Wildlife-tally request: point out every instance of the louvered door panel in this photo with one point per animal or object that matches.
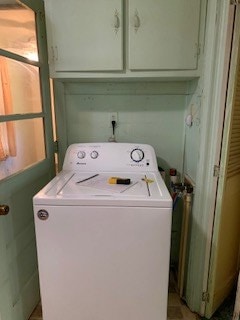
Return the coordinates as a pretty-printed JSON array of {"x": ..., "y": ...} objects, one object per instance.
[
  {"x": 234, "y": 142},
  {"x": 225, "y": 241}
]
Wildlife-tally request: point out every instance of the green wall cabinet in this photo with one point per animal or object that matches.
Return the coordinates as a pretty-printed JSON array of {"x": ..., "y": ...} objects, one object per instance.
[
  {"x": 123, "y": 38},
  {"x": 163, "y": 35},
  {"x": 84, "y": 35}
]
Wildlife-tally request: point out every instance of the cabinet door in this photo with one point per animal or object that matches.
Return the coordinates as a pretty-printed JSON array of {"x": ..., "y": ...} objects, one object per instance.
[
  {"x": 163, "y": 35},
  {"x": 85, "y": 35}
]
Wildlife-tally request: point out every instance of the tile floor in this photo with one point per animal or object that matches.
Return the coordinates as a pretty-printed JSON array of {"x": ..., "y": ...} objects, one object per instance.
[
  {"x": 177, "y": 309},
  {"x": 37, "y": 313}
]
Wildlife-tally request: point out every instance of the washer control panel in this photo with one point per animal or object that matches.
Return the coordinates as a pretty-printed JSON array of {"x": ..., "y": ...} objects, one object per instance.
[{"x": 110, "y": 157}]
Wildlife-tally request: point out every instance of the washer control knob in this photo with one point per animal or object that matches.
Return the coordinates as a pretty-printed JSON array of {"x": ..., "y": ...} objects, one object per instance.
[
  {"x": 81, "y": 154},
  {"x": 137, "y": 155},
  {"x": 94, "y": 154}
]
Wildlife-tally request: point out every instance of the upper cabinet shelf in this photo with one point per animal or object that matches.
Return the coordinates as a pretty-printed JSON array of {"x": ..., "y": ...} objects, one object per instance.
[{"x": 123, "y": 38}]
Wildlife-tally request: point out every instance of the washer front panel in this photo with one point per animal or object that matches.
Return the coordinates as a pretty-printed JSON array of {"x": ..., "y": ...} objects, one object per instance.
[{"x": 104, "y": 262}]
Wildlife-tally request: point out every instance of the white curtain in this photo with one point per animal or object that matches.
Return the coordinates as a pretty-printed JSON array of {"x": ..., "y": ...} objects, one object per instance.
[{"x": 7, "y": 132}]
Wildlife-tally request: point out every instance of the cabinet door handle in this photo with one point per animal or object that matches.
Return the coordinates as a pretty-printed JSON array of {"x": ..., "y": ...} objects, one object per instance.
[
  {"x": 116, "y": 21},
  {"x": 137, "y": 21},
  {"x": 53, "y": 53}
]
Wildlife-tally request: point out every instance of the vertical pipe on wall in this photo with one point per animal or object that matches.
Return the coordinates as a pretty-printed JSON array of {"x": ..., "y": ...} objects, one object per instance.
[{"x": 187, "y": 207}]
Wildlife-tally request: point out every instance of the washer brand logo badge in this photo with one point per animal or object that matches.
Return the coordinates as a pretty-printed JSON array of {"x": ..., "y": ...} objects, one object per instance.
[
  {"x": 82, "y": 163},
  {"x": 43, "y": 214}
]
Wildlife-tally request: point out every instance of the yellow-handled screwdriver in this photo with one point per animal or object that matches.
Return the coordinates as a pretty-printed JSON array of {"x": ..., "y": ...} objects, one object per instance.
[{"x": 117, "y": 180}]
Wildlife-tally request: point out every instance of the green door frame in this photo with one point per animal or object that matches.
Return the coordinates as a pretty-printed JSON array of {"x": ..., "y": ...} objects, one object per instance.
[{"x": 209, "y": 155}]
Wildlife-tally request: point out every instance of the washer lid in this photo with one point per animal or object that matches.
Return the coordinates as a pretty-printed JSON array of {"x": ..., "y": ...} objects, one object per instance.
[
  {"x": 86, "y": 188},
  {"x": 87, "y": 184}
]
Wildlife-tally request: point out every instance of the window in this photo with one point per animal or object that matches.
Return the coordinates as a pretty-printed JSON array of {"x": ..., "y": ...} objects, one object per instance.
[{"x": 21, "y": 116}]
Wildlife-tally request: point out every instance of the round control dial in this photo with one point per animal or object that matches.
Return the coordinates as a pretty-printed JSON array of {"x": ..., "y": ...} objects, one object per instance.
[
  {"x": 81, "y": 154},
  {"x": 137, "y": 155},
  {"x": 94, "y": 154}
]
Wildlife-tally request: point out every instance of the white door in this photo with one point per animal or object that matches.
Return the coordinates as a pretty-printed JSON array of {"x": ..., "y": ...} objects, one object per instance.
[
  {"x": 85, "y": 35},
  {"x": 163, "y": 35},
  {"x": 224, "y": 263},
  {"x": 26, "y": 150}
]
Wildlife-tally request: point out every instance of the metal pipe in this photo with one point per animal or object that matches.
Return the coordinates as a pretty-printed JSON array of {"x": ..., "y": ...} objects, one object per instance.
[{"x": 187, "y": 207}]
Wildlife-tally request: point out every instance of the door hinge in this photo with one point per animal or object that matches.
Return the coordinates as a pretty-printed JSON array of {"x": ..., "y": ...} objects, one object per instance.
[
  {"x": 205, "y": 296},
  {"x": 55, "y": 146},
  {"x": 41, "y": 15},
  {"x": 216, "y": 171},
  {"x": 54, "y": 53}
]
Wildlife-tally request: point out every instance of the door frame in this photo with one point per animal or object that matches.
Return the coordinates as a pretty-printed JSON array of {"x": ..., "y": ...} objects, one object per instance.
[
  {"x": 232, "y": 63},
  {"x": 213, "y": 82}
]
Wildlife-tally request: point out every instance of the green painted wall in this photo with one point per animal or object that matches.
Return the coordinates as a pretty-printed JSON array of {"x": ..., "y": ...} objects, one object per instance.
[
  {"x": 150, "y": 113},
  {"x": 192, "y": 133}
]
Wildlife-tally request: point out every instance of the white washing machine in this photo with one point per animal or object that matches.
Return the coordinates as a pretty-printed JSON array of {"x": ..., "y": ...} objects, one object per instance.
[{"x": 103, "y": 249}]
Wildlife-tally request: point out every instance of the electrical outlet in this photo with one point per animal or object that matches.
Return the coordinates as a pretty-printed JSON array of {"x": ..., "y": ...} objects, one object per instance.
[{"x": 113, "y": 116}]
